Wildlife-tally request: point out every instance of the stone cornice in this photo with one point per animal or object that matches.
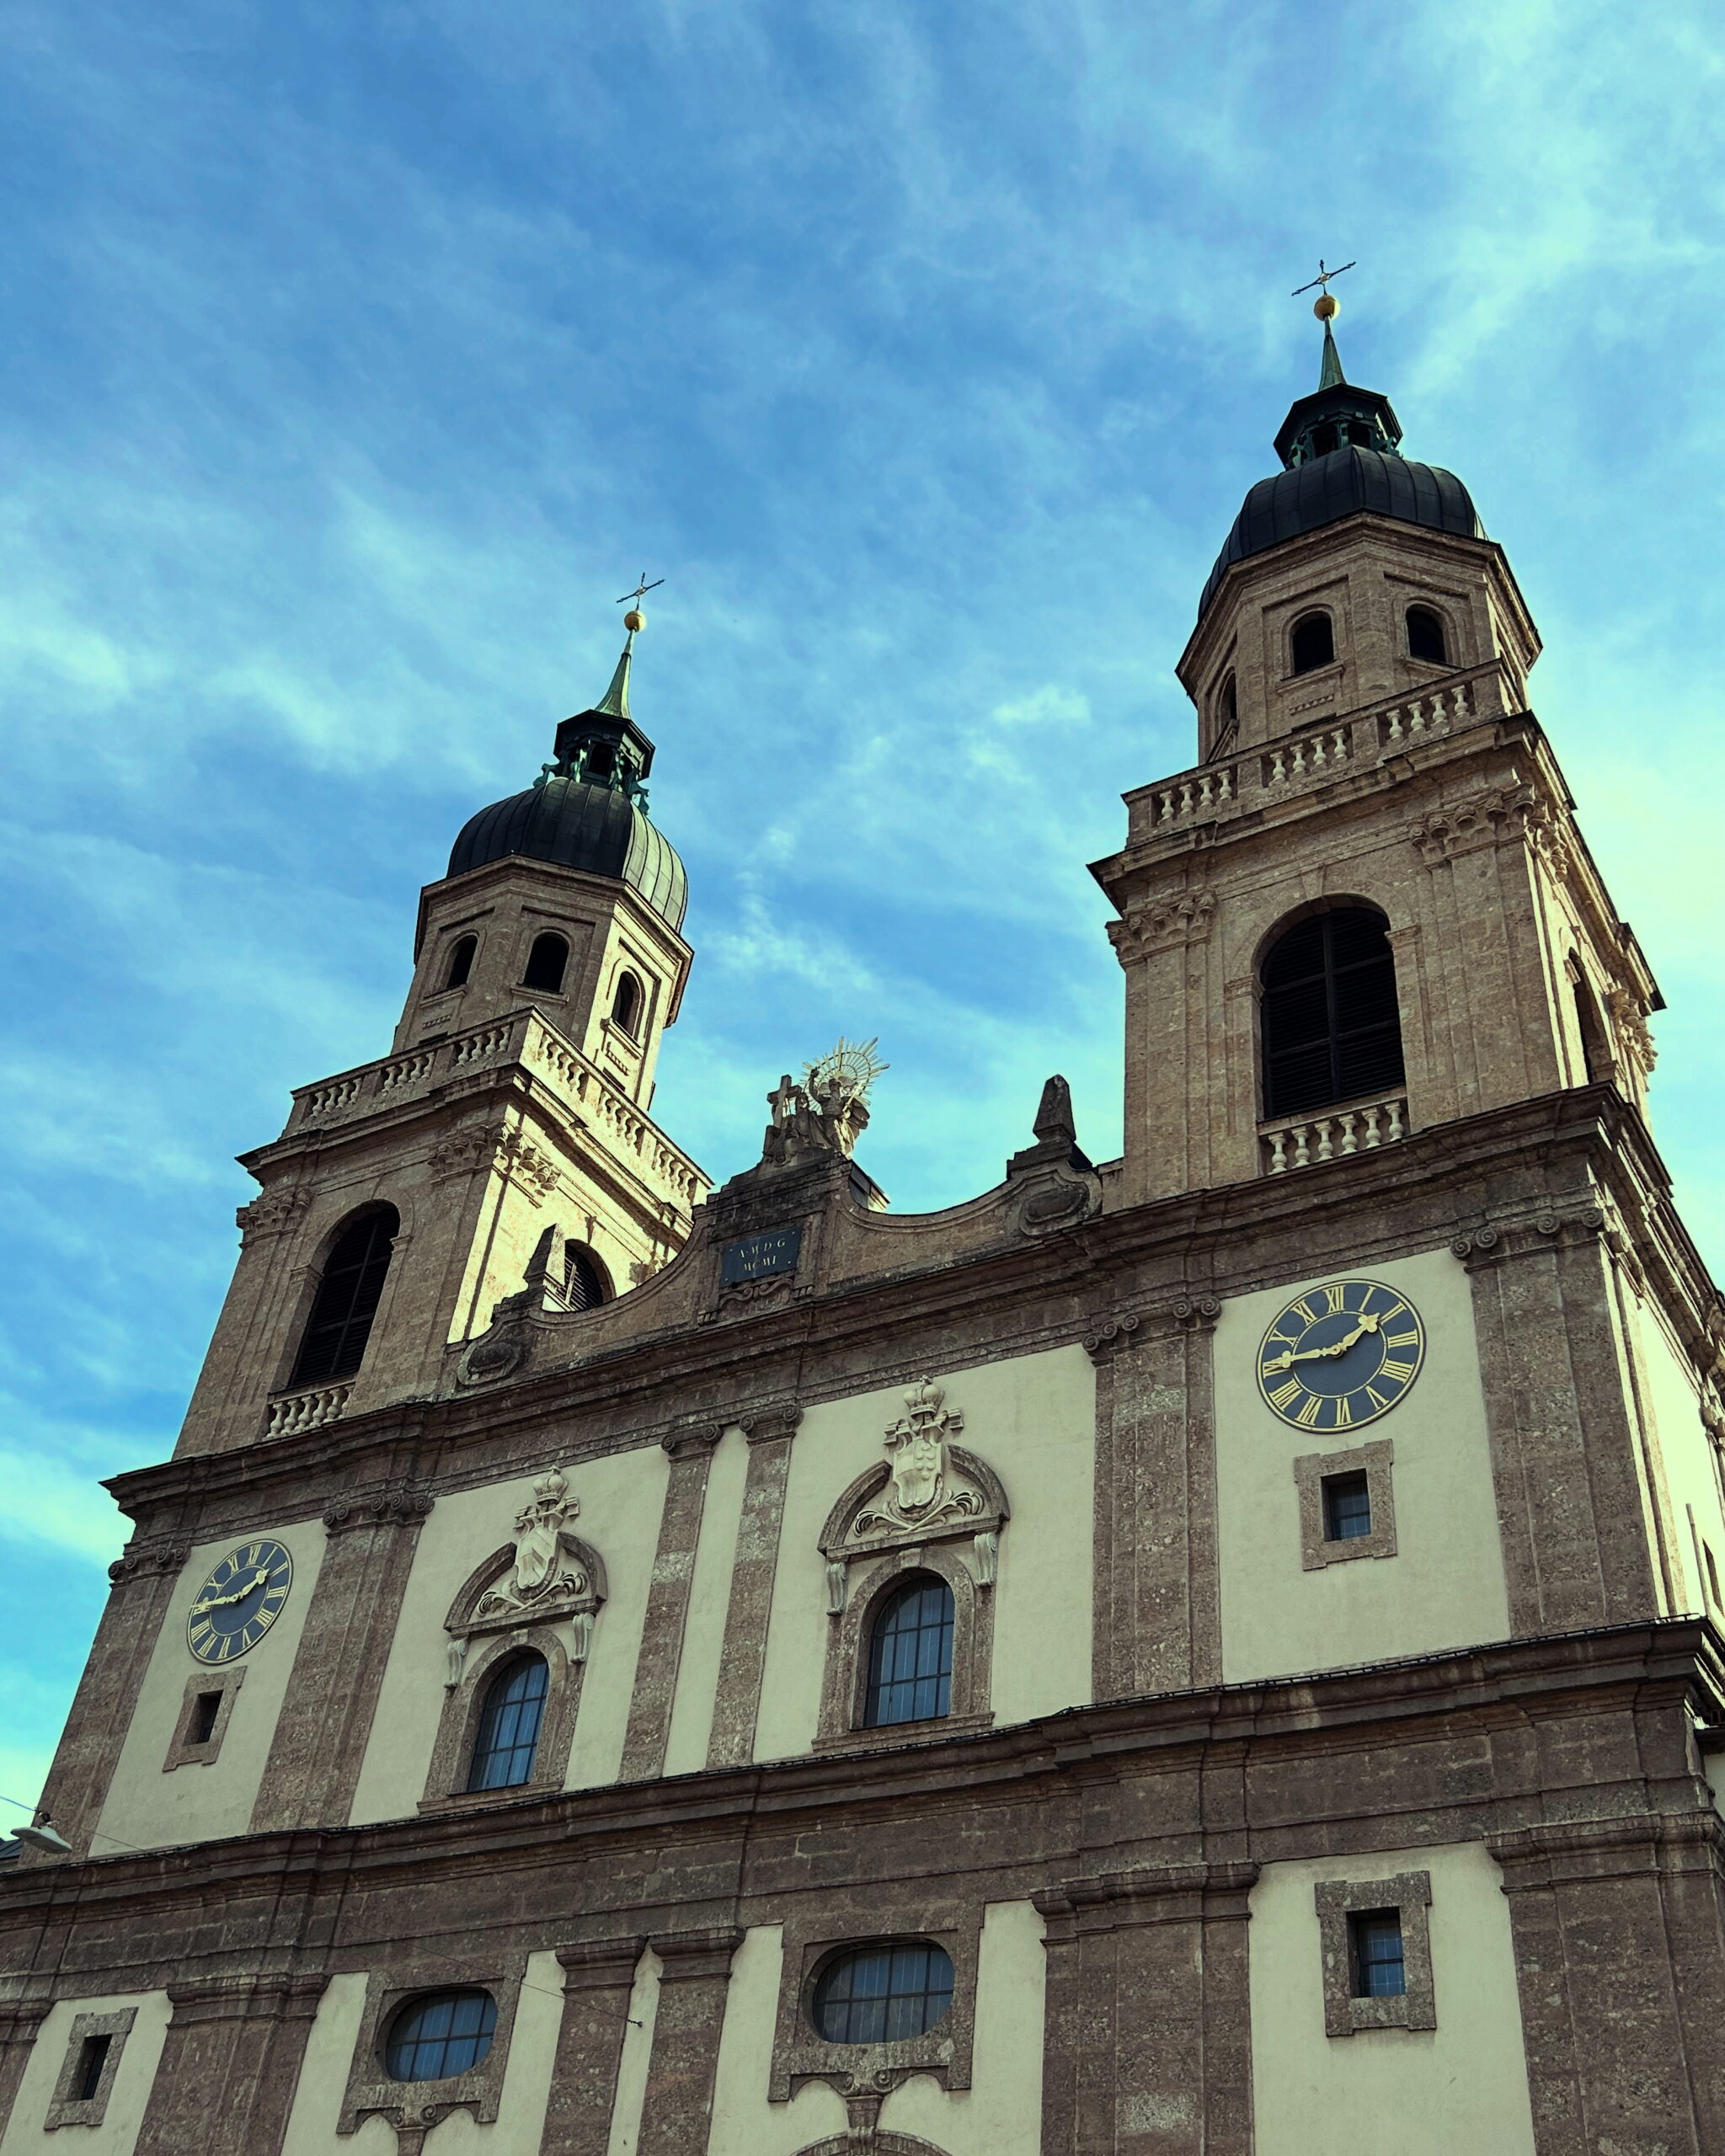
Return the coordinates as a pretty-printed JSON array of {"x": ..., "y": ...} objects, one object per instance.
[{"x": 1676, "y": 1660}]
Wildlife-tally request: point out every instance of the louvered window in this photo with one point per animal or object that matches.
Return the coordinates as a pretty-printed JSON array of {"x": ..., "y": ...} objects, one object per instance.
[
  {"x": 1331, "y": 1030},
  {"x": 585, "y": 1278},
  {"x": 341, "y": 1323}
]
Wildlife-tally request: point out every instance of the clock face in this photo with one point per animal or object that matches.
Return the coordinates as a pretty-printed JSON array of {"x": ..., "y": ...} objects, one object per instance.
[
  {"x": 239, "y": 1602},
  {"x": 1341, "y": 1355}
]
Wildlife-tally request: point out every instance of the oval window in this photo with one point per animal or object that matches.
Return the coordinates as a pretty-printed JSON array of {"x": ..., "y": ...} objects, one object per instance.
[
  {"x": 884, "y": 1993},
  {"x": 442, "y": 2034}
]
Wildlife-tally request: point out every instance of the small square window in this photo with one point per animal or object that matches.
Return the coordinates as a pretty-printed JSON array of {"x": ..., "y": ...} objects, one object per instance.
[
  {"x": 1346, "y": 1506},
  {"x": 1375, "y": 1944},
  {"x": 87, "y": 2084}
]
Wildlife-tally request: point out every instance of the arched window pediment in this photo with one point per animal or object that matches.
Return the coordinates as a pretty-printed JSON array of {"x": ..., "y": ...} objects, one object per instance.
[
  {"x": 926, "y": 1490},
  {"x": 544, "y": 1575}
]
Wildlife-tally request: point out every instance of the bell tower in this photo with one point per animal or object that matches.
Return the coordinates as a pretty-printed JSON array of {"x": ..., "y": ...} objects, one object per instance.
[
  {"x": 506, "y": 1137},
  {"x": 1358, "y": 671}
]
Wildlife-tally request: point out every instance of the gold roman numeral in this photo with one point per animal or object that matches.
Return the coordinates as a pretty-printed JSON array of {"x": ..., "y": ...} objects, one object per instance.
[
  {"x": 1344, "y": 1413},
  {"x": 1394, "y": 1369},
  {"x": 1308, "y": 1313},
  {"x": 1395, "y": 1309},
  {"x": 1288, "y": 1390},
  {"x": 202, "y": 1637},
  {"x": 1308, "y": 1415},
  {"x": 224, "y": 1648},
  {"x": 1401, "y": 1339},
  {"x": 1375, "y": 1397}
]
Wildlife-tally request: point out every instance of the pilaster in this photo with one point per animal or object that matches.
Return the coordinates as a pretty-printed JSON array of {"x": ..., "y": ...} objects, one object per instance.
[
  {"x": 743, "y": 1657},
  {"x": 233, "y": 2051},
  {"x": 1158, "y": 1617},
  {"x": 691, "y": 1454},
  {"x": 695, "y": 1974},
  {"x": 313, "y": 1766},
  {"x": 138, "y": 1601},
  {"x": 20, "y": 2019},
  {"x": 597, "y": 1980}
]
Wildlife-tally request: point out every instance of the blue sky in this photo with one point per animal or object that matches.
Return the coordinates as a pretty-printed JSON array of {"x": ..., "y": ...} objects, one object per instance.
[{"x": 357, "y": 357}]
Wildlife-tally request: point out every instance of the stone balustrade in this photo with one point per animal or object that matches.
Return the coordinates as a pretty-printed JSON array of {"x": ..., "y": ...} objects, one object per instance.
[
  {"x": 290, "y": 1412},
  {"x": 1320, "y": 751},
  {"x": 1303, "y": 1141},
  {"x": 525, "y": 1037}
]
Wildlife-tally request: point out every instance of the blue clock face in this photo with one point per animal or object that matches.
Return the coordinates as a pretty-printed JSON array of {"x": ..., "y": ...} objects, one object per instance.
[
  {"x": 1341, "y": 1355},
  {"x": 239, "y": 1602}
]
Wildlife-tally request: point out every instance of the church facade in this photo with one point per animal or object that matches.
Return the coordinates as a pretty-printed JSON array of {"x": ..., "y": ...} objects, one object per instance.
[{"x": 1210, "y": 1652}]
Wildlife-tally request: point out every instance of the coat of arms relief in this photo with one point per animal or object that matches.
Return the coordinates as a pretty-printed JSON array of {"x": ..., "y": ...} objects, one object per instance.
[
  {"x": 927, "y": 1490},
  {"x": 548, "y": 1575}
]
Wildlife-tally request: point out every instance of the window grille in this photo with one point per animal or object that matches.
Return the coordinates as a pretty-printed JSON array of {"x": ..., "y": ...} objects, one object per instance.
[
  {"x": 508, "y": 1726},
  {"x": 910, "y": 1655},
  {"x": 1380, "y": 1970},
  {"x": 1332, "y": 1028},
  {"x": 445, "y": 2034},
  {"x": 1347, "y": 1507},
  {"x": 346, "y": 1302},
  {"x": 883, "y": 1994}
]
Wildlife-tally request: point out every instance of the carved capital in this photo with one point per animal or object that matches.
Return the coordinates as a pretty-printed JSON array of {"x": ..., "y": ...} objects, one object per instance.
[
  {"x": 270, "y": 1213},
  {"x": 148, "y": 1559},
  {"x": 1162, "y": 924},
  {"x": 528, "y": 1166},
  {"x": 461, "y": 1152},
  {"x": 1495, "y": 1242},
  {"x": 694, "y": 1443},
  {"x": 1490, "y": 816},
  {"x": 402, "y": 1506},
  {"x": 1109, "y": 1335},
  {"x": 685, "y": 1957},
  {"x": 600, "y": 1964},
  {"x": 767, "y": 1426}
]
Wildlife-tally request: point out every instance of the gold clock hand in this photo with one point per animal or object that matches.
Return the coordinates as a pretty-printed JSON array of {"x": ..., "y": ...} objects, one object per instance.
[
  {"x": 223, "y": 1601},
  {"x": 1289, "y": 1356}
]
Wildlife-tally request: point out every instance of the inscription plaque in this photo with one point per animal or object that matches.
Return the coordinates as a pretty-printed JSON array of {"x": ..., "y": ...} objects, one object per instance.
[{"x": 750, "y": 1258}]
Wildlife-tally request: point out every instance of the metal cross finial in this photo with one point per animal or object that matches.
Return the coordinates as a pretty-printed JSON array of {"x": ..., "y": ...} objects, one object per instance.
[
  {"x": 643, "y": 588},
  {"x": 1323, "y": 278}
]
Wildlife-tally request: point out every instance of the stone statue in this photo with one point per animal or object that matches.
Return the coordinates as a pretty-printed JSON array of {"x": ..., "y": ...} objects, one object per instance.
[{"x": 827, "y": 1113}]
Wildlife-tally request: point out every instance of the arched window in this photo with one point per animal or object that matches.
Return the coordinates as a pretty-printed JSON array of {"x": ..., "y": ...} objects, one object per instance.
[
  {"x": 445, "y": 2033},
  {"x": 1425, "y": 636},
  {"x": 545, "y": 962},
  {"x": 1227, "y": 714},
  {"x": 586, "y": 1283},
  {"x": 910, "y": 1654},
  {"x": 1313, "y": 643},
  {"x": 334, "y": 1339},
  {"x": 508, "y": 1724},
  {"x": 625, "y": 1005},
  {"x": 460, "y": 961},
  {"x": 1595, "y": 1047},
  {"x": 884, "y": 1993},
  {"x": 1331, "y": 1030}
]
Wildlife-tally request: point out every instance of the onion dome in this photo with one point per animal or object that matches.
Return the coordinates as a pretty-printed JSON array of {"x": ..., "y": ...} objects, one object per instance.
[
  {"x": 588, "y": 810},
  {"x": 1340, "y": 449}
]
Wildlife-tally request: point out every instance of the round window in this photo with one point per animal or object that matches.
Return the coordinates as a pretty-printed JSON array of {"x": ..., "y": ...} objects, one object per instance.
[
  {"x": 444, "y": 2033},
  {"x": 883, "y": 1993}
]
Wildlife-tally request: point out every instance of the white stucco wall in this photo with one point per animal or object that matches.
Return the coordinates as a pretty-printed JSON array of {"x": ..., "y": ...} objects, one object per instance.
[
  {"x": 1033, "y": 1420},
  {"x": 1445, "y": 1587},
  {"x": 1671, "y": 1403},
  {"x": 999, "y": 2115},
  {"x": 620, "y": 1499},
  {"x": 117, "y": 2135},
  {"x": 520, "y": 2125},
  {"x": 709, "y": 1600},
  {"x": 1460, "y": 2086},
  {"x": 147, "y": 1809}
]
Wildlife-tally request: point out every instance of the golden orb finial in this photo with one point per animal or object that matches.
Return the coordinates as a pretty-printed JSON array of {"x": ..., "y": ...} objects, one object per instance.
[
  {"x": 634, "y": 620},
  {"x": 1326, "y": 306}
]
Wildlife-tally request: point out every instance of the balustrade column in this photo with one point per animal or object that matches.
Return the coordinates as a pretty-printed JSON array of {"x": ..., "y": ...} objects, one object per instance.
[{"x": 313, "y": 1766}]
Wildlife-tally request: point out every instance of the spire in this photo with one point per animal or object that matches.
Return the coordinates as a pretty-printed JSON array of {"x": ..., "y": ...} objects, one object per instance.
[
  {"x": 1330, "y": 375},
  {"x": 615, "y": 702}
]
